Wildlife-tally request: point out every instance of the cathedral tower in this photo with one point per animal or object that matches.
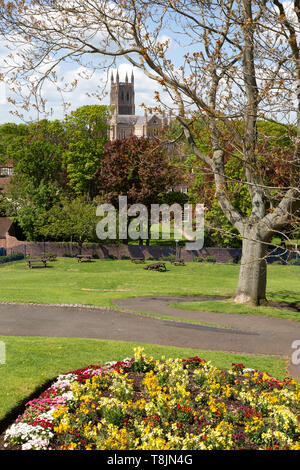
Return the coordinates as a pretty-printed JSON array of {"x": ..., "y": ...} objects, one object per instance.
[{"x": 122, "y": 95}]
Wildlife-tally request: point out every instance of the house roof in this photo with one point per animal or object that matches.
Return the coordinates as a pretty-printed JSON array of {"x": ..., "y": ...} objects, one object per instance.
[{"x": 6, "y": 165}]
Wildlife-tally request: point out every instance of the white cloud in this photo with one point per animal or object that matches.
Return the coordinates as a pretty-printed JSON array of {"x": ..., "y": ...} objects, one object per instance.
[{"x": 89, "y": 83}]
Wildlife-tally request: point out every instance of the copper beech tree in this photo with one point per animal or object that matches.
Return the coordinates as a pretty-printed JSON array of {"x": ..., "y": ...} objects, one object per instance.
[{"x": 233, "y": 62}]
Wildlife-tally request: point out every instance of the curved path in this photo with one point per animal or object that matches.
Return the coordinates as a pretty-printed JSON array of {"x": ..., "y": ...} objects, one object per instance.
[{"x": 246, "y": 334}]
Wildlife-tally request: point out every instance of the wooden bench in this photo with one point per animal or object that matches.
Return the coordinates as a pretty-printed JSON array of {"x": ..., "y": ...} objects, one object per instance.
[
  {"x": 178, "y": 262},
  {"x": 81, "y": 258},
  {"x": 35, "y": 261},
  {"x": 156, "y": 267},
  {"x": 137, "y": 260}
]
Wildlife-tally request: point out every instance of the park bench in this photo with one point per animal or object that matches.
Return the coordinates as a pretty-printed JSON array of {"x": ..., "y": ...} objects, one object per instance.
[
  {"x": 37, "y": 261},
  {"x": 81, "y": 258},
  {"x": 178, "y": 262},
  {"x": 137, "y": 260},
  {"x": 156, "y": 267}
]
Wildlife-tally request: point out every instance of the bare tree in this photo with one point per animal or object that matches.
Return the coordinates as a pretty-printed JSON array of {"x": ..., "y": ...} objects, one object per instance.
[{"x": 235, "y": 62}]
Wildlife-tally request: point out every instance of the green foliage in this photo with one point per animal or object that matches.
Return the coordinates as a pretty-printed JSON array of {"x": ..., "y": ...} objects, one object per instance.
[
  {"x": 28, "y": 205},
  {"x": 11, "y": 137},
  {"x": 38, "y": 156},
  {"x": 11, "y": 257},
  {"x": 274, "y": 145},
  {"x": 167, "y": 258},
  {"x": 207, "y": 259},
  {"x": 52, "y": 159},
  {"x": 281, "y": 134},
  {"x": 210, "y": 259},
  {"x": 218, "y": 230},
  {"x": 198, "y": 259},
  {"x": 86, "y": 136},
  {"x": 35, "y": 151},
  {"x": 70, "y": 219}
]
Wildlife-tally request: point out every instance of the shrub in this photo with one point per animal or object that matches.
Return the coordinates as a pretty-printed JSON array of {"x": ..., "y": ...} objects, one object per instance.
[
  {"x": 109, "y": 256},
  {"x": 198, "y": 259},
  {"x": 210, "y": 259},
  {"x": 11, "y": 257},
  {"x": 167, "y": 258}
]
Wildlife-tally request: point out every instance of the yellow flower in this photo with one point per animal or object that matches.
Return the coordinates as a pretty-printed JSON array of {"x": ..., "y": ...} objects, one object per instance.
[{"x": 295, "y": 446}]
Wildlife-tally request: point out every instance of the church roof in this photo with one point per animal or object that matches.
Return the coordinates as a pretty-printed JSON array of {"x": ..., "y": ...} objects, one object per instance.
[
  {"x": 130, "y": 120},
  {"x": 133, "y": 120}
]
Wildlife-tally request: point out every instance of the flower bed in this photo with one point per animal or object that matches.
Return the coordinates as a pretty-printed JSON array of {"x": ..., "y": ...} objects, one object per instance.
[{"x": 170, "y": 404}]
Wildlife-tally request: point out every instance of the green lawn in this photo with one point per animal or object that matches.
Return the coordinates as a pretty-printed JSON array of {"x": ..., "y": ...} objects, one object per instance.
[
  {"x": 102, "y": 281},
  {"x": 31, "y": 362}
]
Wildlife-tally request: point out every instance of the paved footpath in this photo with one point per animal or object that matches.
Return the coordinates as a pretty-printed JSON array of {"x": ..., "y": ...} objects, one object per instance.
[{"x": 246, "y": 334}]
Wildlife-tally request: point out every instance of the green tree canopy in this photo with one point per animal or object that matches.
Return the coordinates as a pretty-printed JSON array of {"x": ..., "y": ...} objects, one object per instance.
[
  {"x": 70, "y": 219},
  {"x": 86, "y": 136}
]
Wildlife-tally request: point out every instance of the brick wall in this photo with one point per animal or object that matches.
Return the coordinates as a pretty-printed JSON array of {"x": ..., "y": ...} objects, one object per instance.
[
  {"x": 222, "y": 255},
  {"x": 4, "y": 182}
]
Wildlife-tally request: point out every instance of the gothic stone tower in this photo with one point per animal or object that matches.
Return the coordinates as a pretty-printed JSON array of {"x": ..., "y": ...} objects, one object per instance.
[
  {"x": 122, "y": 96},
  {"x": 124, "y": 122}
]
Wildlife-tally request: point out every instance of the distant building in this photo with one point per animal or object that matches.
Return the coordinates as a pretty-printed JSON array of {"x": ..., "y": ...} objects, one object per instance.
[
  {"x": 7, "y": 233},
  {"x": 124, "y": 122}
]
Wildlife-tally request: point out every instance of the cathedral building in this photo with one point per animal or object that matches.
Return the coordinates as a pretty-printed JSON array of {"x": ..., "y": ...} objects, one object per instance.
[{"x": 124, "y": 122}]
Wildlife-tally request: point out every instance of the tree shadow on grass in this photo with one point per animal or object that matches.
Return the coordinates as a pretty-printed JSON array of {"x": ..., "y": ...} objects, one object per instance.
[{"x": 286, "y": 301}]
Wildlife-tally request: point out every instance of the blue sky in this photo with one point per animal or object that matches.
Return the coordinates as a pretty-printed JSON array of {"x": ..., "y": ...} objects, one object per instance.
[
  {"x": 144, "y": 93},
  {"x": 97, "y": 81},
  {"x": 144, "y": 87}
]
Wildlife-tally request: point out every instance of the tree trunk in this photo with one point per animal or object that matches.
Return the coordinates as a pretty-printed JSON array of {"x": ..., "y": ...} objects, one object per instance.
[{"x": 253, "y": 273}]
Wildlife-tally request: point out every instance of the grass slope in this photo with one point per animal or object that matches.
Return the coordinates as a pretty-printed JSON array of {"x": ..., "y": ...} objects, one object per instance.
[{"x": 102, "y": 281}]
